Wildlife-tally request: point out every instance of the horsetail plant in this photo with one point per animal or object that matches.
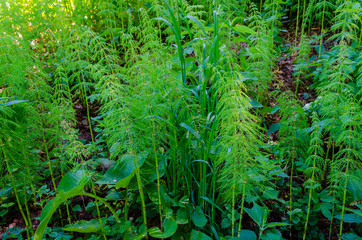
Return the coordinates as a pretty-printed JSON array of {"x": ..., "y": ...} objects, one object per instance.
[
  {"x": 349, "y": 157},
  {"x": 315, "y": 165},
  {"x": 293, "y": 141},
  {"x": 7, "y": 137},
  {"x": 239, "y": 142}
]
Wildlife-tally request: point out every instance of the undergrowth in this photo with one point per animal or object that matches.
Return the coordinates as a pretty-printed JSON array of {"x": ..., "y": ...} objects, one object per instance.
[{"x": 174, "y": 119}]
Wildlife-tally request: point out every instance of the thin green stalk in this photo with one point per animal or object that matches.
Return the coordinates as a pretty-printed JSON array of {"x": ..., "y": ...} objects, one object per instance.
[
  {"x": 310, "y": 196},
  {"x": 15, "y": 190},
  {"x": 174, "y": 183},
  {"x": 31, "y": 184},
  {"x": 137, "y": 167},
  {"x": 333, "y": 204},
  {"x": 242, "y": 201},
  {"x": 213, "y": 179},
  {"x": 320, "y": 43},
  {"x": 345, "y": 188},
  {"x": 291, "y": 197},
  {"x": 304, "y": 5},
  {"x": 332, "y": 216},
  {"x": 291, "y": 185},
  {"x": 105, "y": 203},
  {"x": 97, "y": 206},
  {"x": 296, "y": 29},
  {"x": 326, "y": 162},
  {"x": 261, "y": 6},
  {"x": 138, "y": 176},
  {"x": 47, "y": 152},
  {"x": 213, "y": 183},
  {"x": 61, "y": 149},
  {"x": 233, "y": 203},
  {"x": 28, "y": 171},
  {"x": 27, "y": 211},
  {"x": 98, "y": 212},
  {"x": 88, "y": 114},
  {"x": 156, "y": 162},
  {"x": 343, "y": 204},
  {"x": 126, "y": 205},
  {"x": 140, "y": 189},
  {"x": 49, "y": 162},
  {"x": 62, "y": 173}
]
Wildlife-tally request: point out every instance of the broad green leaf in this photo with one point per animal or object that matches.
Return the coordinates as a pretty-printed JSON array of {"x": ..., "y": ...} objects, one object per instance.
[
  {"x": 73, "y": 181},
  {"x": 275, "y": 109},
  {"x": 197, "y": 235},
  {"x": 49, "y": 210},
  {"x": 105, "y": 162},
  {"x": 258, "y": 214},
  {"x": 5, "y": 191},
  {"x": 122, "y": 172},
  {"x": 351, "y": 236},
  {"x": 149, "y": 173},
  {"x": 13, "y": 232},
  {"x": 274, "y": 128},
  {"x": 114, "y": 147},
  {"x": 226, "y": 222},
  {"x": 13, "y": 102},
  {"x": 271, "y": 194},
  {"x": 117, "y": 175},
  {"x": 247, "y": 235},
  {"x": 3, "y": 212},
  {"x": 198, "y": 217},
  {"x": 319, "y": 49},
  {"x": 350, "y": 218},
  {"x": 7, "y": 205},
  {"x": 276, "y": 224},
  {"x": 358, "y": 212},
  {"x": 53, "y": 204},
  {"x": 182, "y": 216},
  {"x": 125, "y": 225},
  {"x": 113, "y": 196},
  {"x": 244, "y": 29},
  {"x": 354, "y": 184},
  {"x": 209, "y": 29},
  {"x": 273, "y": 234},
  {"x": 133, "y": 234},
  {"x": 266, "y": 110},
  {"x": 248, "y": 76},
  {"x": 166, "y": 199},
  {"x": 326, "y": 211},
  {"x": 169, "y": 229},
  {"x": 255, "y": 104},
  {"x": 76, "y": 208},
  {"x": 84, "y": 226}
]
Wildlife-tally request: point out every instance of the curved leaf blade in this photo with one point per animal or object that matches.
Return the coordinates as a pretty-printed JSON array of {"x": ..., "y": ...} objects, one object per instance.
[
  {"x": 169, "y": 226},
  {"x": 84, "y": 226}
]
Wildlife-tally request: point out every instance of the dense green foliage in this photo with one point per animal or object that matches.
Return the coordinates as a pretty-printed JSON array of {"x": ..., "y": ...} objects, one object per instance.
[{"x": 170, "y": 119}]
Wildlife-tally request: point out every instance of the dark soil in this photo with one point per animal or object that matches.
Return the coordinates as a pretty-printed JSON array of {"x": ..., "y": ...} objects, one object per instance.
[{"x": 82, "y": 120}]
